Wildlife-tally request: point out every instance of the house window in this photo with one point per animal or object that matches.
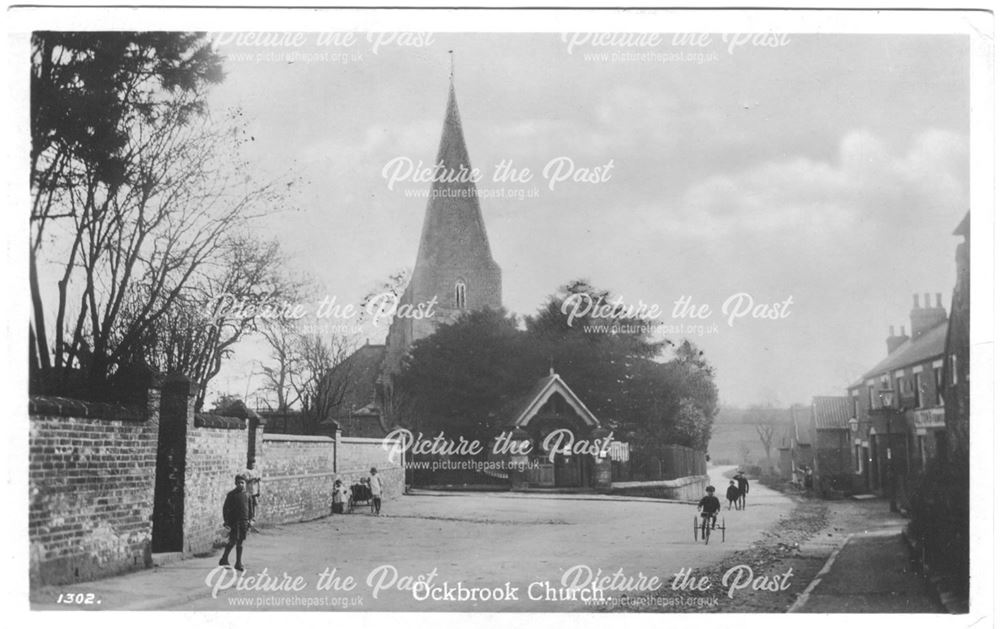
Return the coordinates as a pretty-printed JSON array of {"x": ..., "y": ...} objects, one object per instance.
[
  {"x": 939, "y": 385},
  {"x": 859, "y": 458},
  {"x": 871, "y": 397},
  {"x": 854, "y": 404},
  {"x": 460, "y": 295},
  {"x": 917, "y": 390},
  {"x": 954, "y": 369}
]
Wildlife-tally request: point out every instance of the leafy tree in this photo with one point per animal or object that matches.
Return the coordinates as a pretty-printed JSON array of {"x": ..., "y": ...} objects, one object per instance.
[
  {"x": 601, "y": 367},
  {"x": 87, "y": 88},
  {"x": 463, "y": 378},
  {"x": 676, "y": 401},
  {"x": 225, "y": 401},
  {"x": 459, "y": 379}
]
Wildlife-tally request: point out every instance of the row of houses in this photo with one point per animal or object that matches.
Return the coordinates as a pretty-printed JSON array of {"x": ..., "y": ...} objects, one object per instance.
[{"x": 906, "y": 410}]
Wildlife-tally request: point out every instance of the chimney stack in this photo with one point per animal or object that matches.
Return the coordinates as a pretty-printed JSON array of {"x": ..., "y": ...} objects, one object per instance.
[
  {"x": 923, "y": 318},
  {"x": 893, "y": 342}
]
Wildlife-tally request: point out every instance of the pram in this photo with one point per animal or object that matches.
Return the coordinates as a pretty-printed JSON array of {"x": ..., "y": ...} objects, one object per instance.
[{"x": 361, "y": 493}]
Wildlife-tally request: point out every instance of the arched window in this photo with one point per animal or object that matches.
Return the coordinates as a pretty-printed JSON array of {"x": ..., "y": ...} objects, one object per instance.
[{"x": 460, "y": 294}]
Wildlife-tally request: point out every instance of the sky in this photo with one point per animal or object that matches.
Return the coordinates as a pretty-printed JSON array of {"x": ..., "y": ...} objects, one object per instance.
[{"x": 829, "y": 169}]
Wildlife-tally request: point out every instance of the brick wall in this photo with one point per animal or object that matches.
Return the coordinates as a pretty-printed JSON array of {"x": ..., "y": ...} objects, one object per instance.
[
  {"x": 215, "y": 454},
  {"x": 91, "y": 473},
  {"x": 93, "y": 478},
  {"x": 297, "y": 474}
]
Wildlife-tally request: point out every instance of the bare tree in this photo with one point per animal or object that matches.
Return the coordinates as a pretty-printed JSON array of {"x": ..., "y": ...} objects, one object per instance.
[
  {"x": 225, "y": 302},
  {"x": 765, "y": 432},
  {"x": 281, "y": 337},
  {"x": 136, "y": 252},
  {"x": 308, "y": 370},
  {"x": 326, "y": 376}
]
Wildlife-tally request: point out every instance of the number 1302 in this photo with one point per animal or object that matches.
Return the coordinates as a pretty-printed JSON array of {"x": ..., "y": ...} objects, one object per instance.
[{"x": 79, "y": 598}]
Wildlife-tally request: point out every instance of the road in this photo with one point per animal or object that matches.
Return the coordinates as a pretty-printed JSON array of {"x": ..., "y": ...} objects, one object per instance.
[{"x": 481, "y": 540}]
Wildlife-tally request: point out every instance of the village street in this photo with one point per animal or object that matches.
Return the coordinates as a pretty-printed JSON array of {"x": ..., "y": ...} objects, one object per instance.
[{"x": 483, "y": 540}]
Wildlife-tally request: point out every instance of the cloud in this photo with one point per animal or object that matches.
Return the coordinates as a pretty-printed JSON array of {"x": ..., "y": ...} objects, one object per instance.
[{"x": 866, "y": 183}]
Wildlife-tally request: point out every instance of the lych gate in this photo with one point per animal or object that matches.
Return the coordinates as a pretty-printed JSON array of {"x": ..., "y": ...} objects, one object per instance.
[{"x": 553, "y": 418}]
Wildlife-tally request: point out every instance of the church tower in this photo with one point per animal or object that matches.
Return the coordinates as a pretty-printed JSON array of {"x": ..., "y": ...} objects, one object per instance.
[{"x": 454, "y": 266}]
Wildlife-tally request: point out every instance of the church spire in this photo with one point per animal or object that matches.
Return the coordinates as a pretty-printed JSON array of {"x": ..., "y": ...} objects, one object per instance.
[
  {"x": 454, "y": 233},
  {"x": 455, "y": 269}
]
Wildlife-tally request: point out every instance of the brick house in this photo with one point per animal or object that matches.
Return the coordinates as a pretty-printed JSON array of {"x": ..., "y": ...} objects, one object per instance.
[{"x": 914, "y": 370}]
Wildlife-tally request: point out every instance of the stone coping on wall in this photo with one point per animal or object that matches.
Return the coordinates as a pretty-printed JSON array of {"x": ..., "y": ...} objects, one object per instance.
[
  {"x": 373, "y": 440},
  {"x": 312, "y": 438},
  {"x": 677, "y": 482},
  {"x": 211, "y": 420},
  {"x": 48, "y": 406}
]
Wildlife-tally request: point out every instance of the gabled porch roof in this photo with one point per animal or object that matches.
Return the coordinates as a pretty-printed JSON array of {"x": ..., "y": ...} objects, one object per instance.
[{"x": 543, "y": 390}]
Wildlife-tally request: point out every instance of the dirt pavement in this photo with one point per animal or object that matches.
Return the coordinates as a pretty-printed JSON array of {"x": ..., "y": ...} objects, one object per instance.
[
  {"x": 498, "y": 541},
  {"x": 872, "y": 571},
  {"x": 870, "y": 574}
]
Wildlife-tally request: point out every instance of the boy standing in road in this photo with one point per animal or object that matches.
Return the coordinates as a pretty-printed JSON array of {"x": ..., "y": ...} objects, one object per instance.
[
  {"x": 375, "y": 482},
  {"x": 238, "y": 515},
  {"x": 732, "y": 495}
]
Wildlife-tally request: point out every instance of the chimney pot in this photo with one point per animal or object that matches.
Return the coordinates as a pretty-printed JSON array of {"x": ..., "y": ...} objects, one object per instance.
[
  {"x": 916, "y": 300},
  {"x": 927, "y": 300}
]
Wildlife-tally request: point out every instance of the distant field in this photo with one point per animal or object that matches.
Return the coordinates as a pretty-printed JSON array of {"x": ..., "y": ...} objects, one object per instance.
[{"x": 727, "y": 439}]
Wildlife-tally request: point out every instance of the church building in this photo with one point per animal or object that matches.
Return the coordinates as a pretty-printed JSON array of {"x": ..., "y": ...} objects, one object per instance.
[
  {"x": 454, "y": 267},
  {"x": 454, "y": 270}
]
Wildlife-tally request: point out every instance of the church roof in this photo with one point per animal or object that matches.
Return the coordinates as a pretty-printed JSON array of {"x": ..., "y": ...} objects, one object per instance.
[
  {"x": 454, "y": 234},
  {"x": 355, "y": 381}
]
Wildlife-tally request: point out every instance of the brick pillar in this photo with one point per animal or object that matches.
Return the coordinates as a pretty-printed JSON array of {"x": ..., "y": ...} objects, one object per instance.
[{"x": 176, "y": 416}]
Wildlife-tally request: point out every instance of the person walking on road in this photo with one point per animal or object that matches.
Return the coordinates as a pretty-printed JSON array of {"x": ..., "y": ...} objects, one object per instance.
[
  {"x": 375, "y": 482},
  {"x": 744, "y": 486},
  {"x": 732, "y": 495},
  {"x": 237, "y": 515}
]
